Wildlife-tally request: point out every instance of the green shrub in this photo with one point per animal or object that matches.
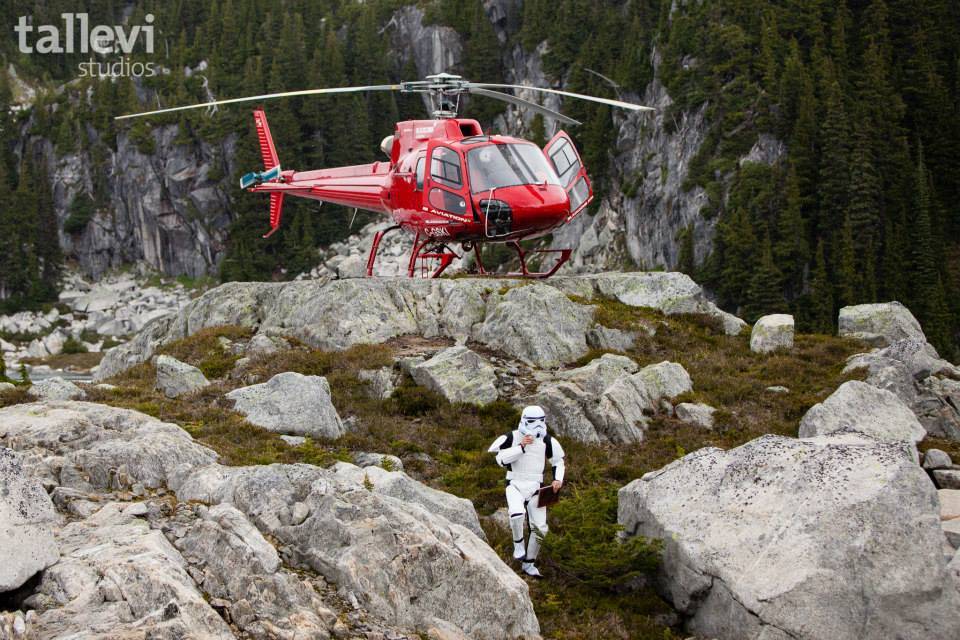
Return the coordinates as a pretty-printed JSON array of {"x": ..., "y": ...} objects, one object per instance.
[
  {"x": 583, "y": 541},
  {"x": 72, "y": 345},
  {"x": 82, "y": 210}
]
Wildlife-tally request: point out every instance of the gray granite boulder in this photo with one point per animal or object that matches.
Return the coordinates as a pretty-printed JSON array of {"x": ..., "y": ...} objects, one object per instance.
[
  {"x": 290, "y": 403},
  {"x": 880, "y": 324},
  {"x": 608, "y": 399},
  {"x": 794, "y": 539},
  {"x": 624, "y": 405},
  {"x": 695, "y": 413},
  {"x": 772, "y": 333},
  {"x": 56, "y": 388},
  {"x": 859, "y": 410},
  {"x": 936, "y": 459},
  {"x": 175, "y": 378},
  {"x": 27, "y": 519},
  {"x": 459, "y": 375},
  {"x": 236, "y": 564}
]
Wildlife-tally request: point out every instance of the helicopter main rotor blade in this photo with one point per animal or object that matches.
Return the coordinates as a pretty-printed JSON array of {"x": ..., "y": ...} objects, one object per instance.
[
  {"x": 267, "y": 96},
  {"x": 612, "y": 103},
  {"x": 533, "y": 106}
]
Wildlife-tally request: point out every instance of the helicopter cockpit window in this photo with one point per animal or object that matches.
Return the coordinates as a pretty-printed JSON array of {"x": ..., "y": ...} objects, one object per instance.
[
  {"x": 445, "y": 167},
  {"x": 507, "y": 165},
  {"x": 421, "y": 165},
  {"x": 565, "y": 160}
]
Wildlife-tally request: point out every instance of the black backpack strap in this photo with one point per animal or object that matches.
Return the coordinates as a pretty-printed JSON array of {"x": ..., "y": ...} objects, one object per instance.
[{"x": 547, "y": 440}]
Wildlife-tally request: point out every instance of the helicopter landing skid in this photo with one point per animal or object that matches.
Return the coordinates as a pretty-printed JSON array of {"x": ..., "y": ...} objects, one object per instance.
[
  {"x": 526, "y": 273},
  {"x": 426, "y": 251},
  {"x": 375, "y": 246}
]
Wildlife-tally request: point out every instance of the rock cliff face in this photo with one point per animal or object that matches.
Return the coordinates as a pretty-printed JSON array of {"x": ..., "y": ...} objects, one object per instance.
[{"x": 167, "y": 209}]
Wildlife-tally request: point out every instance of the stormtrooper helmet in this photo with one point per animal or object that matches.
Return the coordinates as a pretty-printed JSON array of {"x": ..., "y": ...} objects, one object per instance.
[{"x": 533, "y": 422}]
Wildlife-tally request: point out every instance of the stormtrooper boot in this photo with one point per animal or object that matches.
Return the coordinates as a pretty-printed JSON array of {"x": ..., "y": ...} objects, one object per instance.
[
  {"x": 533, "y": 549},
  {"x": 516, "y": 528}
]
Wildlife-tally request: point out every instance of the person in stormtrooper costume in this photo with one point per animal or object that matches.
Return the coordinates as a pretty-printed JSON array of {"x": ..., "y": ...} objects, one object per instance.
[{"x": 523, "y": 453}]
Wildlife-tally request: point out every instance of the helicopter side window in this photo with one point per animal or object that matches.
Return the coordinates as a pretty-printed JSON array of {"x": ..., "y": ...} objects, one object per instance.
[
  {"x": 565, "y": 160},
  {"x": 421, "y": 165},
  {"x": 447, "y": 201},
  {"x": 445, "y": 167}
]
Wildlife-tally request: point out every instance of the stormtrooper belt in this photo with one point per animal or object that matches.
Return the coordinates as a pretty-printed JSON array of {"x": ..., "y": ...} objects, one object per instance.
[{"x": 529, "y": 477}]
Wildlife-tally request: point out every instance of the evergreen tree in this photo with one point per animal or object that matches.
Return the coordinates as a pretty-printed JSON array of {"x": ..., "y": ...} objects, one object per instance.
[
  {"x": 765, "y": 294},
  {"x": 821, "y": 296}
]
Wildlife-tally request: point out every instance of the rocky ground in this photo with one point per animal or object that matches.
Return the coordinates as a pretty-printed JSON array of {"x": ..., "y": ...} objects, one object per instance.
[
  {"x": 88, "y": 319},
  {"x": 307, "y": 459}
]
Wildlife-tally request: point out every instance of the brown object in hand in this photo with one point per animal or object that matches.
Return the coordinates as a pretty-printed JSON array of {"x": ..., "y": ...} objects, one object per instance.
[{"x": 547, "y": 496}]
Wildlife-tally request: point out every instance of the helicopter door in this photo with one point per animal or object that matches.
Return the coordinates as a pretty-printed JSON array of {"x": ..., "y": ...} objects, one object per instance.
[
  {"x": 573, "y": 175},
  {"x": 445, "y": 186}
]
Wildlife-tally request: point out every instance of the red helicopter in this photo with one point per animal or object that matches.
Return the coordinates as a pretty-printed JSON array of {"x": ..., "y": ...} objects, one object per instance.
[{"x": 446, "y": 182}]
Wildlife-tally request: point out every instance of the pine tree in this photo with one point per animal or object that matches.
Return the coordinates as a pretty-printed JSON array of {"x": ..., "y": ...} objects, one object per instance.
[
  {"x": 821, "y": 296},
  {"x": 791, "y": 250},
  {"x": 765, "y": 294},
  {"x": 833, "y": 188},
  {"x": 928, "y": 301}
]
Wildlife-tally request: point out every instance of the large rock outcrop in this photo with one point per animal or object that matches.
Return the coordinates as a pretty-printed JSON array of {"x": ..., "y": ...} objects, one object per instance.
[
  {"x": 799, "y": 539},
  {"x": 26, "y": 523},
  {"x": 914, "y": 371},
  {"x": 405, "y": 562},
  {"x": 532, "y": 321},
  {"x": 609, "y": 399},
  {"x": 119, "y": 578},
  {"x": 88, "y": 445},
  {"x": 409, "y": 556}
]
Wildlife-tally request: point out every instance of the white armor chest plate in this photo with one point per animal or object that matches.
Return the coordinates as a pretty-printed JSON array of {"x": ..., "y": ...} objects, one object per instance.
[{"x": 533, "y": 459}]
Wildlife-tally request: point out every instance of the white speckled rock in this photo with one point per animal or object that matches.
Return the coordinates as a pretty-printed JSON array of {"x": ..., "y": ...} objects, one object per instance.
[
  {"x": 459, "y": 375},
  {"x": 783, "y": 538},
  {"x": 290, "y": 403},
  {"x": 56, "y": 388},
  {"x": 175, "y": 378},
  {"x": 880, "y": 324},
  {"x": 859, "y": 410},
  {"x": 771, "y": 333},
  {"x": 27, "y": 519}
]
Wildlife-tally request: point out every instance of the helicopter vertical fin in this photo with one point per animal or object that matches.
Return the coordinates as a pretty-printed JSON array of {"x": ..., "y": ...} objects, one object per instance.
[
  {"x": 267, "y": 149},
  {"x": 276, "y": 210}
]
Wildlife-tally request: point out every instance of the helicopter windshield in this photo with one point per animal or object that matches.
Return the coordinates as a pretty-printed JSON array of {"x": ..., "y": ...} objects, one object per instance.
[{"x": 507, "y": 165}]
